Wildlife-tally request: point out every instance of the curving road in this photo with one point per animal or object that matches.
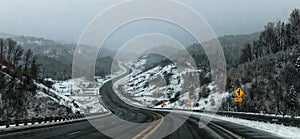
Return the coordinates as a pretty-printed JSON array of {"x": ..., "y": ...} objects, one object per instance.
[{"x": 116, "y": 125}]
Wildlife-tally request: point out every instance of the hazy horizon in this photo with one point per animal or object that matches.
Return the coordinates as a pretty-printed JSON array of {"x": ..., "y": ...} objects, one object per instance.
[{"x": 65, "y": 20}]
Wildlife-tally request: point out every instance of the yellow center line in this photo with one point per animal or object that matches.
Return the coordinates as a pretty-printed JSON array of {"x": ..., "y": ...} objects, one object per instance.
[
  {"x": 135, "y": 137},
  {"x": 146, "y": 135},
  {"x": 155, "y": 128}
]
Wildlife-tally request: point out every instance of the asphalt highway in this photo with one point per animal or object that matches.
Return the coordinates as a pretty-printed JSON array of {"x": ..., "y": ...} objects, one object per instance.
[{"x": 126, "y": 121}]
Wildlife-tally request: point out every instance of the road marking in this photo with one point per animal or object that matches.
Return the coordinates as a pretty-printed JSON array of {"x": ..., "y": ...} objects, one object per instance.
[
  {"x": 101, "y": 126},
  {"x": 16, "y": 133},
  {"x": 227, "y": 131},
  {"x": 155, "y": 128},
  {"x": 70, "y": 134},
  {"x": 150, "y": 126},
  {"x": 135, "y": 137}
]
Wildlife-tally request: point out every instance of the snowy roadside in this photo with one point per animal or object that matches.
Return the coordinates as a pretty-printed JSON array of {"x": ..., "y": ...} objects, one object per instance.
[{"x": 280, "y": 130}]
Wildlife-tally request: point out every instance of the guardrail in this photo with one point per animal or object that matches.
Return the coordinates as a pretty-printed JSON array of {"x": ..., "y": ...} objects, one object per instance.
[
  {"x": 264, "y": 118},
  {"x": 18, "y": 122},
  {"x": 288, "y": 121}
]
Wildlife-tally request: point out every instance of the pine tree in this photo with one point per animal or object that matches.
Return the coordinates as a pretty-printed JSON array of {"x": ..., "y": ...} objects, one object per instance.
[
  {"x": 255, "y": 50},
  {"x": 288, "y": 35},
  {"x": 268, "y": 39},
  {"x": 292, "y": 101},
  {"x": 295, "y": 24},
  {"x": 297, "y": 64},
  {"x": 280, "y": 29},
  {"x": 246, "y": 54},
  {"x": 2, "y": 49}
]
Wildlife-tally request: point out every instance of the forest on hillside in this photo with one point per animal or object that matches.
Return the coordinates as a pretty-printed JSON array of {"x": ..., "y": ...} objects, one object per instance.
[
  {"x": 266, "y": 65},
  {"x": 269, "y": 71},
  {"x": 23, "y": 92}
]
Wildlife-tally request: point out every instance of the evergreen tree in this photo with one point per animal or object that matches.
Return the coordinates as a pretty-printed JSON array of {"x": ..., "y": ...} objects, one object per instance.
[
  {"x": 292, "y": 101},
  {"x": 246, "y": 54},
  {"x": 269, "y": 39},
  {"x": 2, "y": 49},
  {"x": 280, "y": 29},
  {"x": 288, "y": 35},
  {"x": 297, "y": 64},
  {"x": 255, "y": 50},
  {"x": 295, "y": 24}
]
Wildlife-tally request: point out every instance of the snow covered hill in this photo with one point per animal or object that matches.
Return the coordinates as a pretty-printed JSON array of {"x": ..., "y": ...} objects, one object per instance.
[
  {"x": 163, "y": 87},
  {"x": 83, "y": 92},
  {"x": 22, "y": 97}
]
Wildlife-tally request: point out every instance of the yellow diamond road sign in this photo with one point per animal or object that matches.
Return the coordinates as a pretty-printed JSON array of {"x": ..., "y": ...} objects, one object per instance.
[{"x": 239, "y": 92}]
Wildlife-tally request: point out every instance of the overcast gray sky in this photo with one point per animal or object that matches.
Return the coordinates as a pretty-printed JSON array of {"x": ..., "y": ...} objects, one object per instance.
[{"x": 66, "y": 19}]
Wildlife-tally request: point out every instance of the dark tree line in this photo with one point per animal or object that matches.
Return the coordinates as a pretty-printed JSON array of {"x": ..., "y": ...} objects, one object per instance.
[
  {"x": 16, "y": 58},
  {"x": 274, "y": 38},
  {"x": 269, "y": 71}
]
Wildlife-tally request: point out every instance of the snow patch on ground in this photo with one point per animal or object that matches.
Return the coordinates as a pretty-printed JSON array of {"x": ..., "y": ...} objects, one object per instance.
[
  {"x": 62, "y": 99},
  {"x": 83, "y": 92},
  {"x": 90, "y": 104},
  {"x": 281, "y": 130}
]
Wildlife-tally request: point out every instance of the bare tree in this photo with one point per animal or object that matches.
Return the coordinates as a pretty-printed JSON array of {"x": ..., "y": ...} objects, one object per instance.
[
  {"x": 27, "y": 56},
  {"x": 34, "y": 67},
  {"x": 18, "y": 52},
  {"x": 11, "y": 44}
]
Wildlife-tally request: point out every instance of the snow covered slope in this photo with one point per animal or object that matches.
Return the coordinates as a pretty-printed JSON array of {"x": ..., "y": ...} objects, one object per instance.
[
  {"x": 165, "y": 87},
  {"x": 22, "y": 97},
  {"x": 84, "y": 92}
]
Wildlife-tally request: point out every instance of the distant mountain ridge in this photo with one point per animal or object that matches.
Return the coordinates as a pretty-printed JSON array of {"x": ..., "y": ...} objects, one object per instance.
[
  {"x": 52, "y": 52},
  {"x": 54, "y": 57}
]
